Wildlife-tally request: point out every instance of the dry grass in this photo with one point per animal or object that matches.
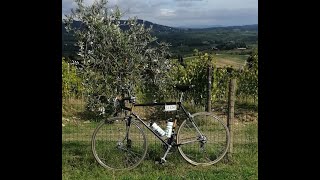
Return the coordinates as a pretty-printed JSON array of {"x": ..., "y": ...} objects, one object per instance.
[
  {"x": 222, "y": 60},
  {"x": 71, "y": 107}
]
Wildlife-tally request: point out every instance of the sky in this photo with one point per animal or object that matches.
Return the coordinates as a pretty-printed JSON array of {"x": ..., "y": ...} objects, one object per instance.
[{"x": 185, "y": 13}]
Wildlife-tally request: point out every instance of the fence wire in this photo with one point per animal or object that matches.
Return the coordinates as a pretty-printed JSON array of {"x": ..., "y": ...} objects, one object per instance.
[{"x": 77, "y": 132}]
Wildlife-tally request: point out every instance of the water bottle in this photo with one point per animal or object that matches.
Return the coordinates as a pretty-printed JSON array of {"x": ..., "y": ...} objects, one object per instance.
[
  {"x": 158, "y": 129},
  {"x": 169, "y": 129}
]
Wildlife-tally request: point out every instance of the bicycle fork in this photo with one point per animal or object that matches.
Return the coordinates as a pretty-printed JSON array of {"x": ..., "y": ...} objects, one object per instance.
[{"x": 121, "y": 143}]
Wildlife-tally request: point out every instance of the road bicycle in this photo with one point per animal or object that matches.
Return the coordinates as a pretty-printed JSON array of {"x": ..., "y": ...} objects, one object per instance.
[{"x": 119, "y": 143}]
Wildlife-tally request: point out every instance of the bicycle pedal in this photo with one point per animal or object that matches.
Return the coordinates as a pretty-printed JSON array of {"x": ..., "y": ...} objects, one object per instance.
[
  {"x": 159, "y": 162},
  {"x": 163, "y": 160}
]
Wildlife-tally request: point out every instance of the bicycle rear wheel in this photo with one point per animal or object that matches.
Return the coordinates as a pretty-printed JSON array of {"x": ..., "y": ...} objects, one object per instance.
[
  {"x": 207, "y": 149},
  {"x": 114, "y": 149}
]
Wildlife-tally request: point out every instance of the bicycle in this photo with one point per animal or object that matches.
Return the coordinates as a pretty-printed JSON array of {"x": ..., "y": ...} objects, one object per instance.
[{"x": 119, "y": 143}]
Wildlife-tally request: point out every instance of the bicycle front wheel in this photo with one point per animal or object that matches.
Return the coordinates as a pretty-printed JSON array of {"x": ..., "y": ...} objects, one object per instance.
[
  {"x": 207, "y": 147},
  {"x": 117, "y": 146}
]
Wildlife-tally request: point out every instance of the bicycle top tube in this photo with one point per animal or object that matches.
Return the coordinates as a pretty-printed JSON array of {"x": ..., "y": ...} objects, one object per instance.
[
  {"x": 132, "y": 99},
  {"x": 157, "y": 104}
]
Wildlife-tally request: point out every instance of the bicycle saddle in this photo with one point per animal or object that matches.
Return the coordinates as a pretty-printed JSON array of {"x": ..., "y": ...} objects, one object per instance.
[{"x": 184, "y": 88}]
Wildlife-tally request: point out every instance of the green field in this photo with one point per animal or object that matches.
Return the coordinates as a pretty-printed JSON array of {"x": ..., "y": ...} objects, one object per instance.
[
  {"x": 78, "y": 162},
  {"x": 221, "y": 60}
]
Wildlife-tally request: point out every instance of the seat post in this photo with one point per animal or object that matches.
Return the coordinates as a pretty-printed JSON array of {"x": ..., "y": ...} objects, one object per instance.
[{"x": 181, "y": 96}]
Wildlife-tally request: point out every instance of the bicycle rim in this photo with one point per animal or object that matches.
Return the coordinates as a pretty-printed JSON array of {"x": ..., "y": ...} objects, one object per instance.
[
  {"x": 216, "y": 135},
  {"x": 113, "y": 150}
]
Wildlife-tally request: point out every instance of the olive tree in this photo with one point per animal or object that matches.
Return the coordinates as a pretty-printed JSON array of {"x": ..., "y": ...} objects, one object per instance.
[{"x": 116, "y": 54}]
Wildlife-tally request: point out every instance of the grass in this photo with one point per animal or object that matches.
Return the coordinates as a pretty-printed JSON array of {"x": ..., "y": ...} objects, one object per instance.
[
  {"x": 222, "y": 60},
  {"x": 78, "y": 162}
]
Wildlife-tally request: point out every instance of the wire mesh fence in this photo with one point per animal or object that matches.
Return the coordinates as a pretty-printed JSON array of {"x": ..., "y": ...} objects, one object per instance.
[{"x": 77, "y": 131}]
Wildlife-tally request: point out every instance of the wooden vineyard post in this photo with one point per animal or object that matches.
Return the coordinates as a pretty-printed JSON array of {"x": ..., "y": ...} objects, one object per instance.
[
  {"x": 230, "y": 118},
  {"x": 209, "y": 87}
]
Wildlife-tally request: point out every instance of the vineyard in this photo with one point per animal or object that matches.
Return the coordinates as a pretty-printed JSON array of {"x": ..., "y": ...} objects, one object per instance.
[
  {"x": 193, "y": 71},
  {"x": 79, "y": 122},
  {"x": 111, "y": 59}
]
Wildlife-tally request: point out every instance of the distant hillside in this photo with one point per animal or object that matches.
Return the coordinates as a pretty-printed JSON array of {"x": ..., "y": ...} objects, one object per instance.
[
  {"x": 253, "y": 27},
  {"x": 68, "y": 39},
  {"x": 184, "y": 40},
  {"x": 148, "y": 24}
]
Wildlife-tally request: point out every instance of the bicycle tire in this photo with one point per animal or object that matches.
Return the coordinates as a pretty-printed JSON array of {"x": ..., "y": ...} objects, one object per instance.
[
  {"x": 126, "y": 153},
  {"x": 216, "y": 133}
]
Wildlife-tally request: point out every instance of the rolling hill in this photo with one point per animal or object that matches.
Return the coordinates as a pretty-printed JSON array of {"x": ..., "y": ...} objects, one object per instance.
[{"x": 184, "y": 40}]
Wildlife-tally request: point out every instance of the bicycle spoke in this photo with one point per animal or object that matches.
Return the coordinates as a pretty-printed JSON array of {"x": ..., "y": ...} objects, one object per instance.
[
  {"x": 211, "y": 147},
  {"x": 128, "y": 159},
  {"x": 191, "y": 138},
  {"x": 205, "y": 154},
  {"x": 192, "y": 157},
  {"x": 112, "y": 148},
  {"x": 131, "y": 152}
]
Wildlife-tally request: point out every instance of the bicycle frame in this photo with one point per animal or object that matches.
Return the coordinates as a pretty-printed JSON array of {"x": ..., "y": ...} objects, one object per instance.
[
  {"x": 176, "y": 139},
  {"x": 189, "y": 116}
]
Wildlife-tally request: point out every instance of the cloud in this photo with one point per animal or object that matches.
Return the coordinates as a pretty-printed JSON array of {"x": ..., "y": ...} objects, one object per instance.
[
  {"x": 185, "y": 12},
  {"x": 167, "y": 12},
  {"x": 185, "y": 4},
  {"x": 67, "y": 5},
  {"x": 189, "y": 0}
]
